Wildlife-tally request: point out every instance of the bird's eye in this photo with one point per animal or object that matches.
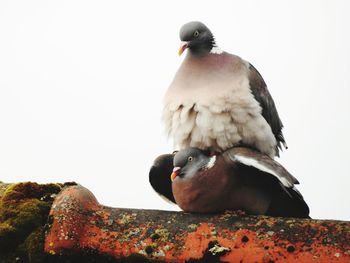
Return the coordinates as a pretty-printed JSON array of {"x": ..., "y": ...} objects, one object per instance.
[
  {"x": 190, "y": 159},
  {"x": 196, "y": 33}
]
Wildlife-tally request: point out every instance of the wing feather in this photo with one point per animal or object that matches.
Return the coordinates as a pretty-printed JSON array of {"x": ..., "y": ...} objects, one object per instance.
[
  {"x": 263, "y": 163},
  {"x": 269, "y": 111}
]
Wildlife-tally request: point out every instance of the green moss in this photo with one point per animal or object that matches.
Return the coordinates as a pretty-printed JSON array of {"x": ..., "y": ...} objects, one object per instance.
[
  {"x": 24, "y": 209},
  {"x": 34, "y": 245},
  {"x": 5, "y": 229}
]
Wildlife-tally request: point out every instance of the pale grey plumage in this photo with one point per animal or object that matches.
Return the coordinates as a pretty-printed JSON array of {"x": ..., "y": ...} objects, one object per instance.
[{"x": 217, "y": 100}]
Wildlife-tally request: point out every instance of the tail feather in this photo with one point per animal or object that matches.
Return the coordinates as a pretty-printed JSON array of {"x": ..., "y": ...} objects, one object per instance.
[
  {"x": 289, "y": 203},
  {"x": 159, "y": 176}
]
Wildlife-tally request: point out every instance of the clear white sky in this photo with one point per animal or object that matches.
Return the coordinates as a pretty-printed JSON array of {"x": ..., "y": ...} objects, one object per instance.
[{"x": 81, "y": 85}]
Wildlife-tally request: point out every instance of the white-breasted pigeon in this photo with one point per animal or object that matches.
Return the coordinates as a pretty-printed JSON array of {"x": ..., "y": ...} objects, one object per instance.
[{"x": 218, "y": 100}]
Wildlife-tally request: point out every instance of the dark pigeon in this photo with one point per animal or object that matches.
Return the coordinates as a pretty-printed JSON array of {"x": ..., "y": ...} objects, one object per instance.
[{"x": 238, "y": 179}]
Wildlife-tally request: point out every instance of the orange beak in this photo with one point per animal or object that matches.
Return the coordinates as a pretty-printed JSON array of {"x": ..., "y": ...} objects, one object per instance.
[
  {"x": 183, "y": 46},
  {"x": 175, "y": 173}
]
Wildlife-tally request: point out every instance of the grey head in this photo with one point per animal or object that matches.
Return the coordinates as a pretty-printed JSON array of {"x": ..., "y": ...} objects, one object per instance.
[
  {"x": 197, "y": 38},
  {"x": 189, "y": 161}
]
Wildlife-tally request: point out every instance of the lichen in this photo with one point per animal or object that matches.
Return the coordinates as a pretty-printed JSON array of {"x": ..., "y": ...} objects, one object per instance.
[
  {"x": 127, "y": 218},
  {"x": 217, "y": 249},
  {"x": 192, "y": 227},
  {"x": 162, "y": 235}
]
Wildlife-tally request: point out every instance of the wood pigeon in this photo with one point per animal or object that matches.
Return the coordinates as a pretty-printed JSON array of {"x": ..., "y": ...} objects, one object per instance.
[
  {"x": 218, "y": 100},
  {"x": 238, "y": 179}
]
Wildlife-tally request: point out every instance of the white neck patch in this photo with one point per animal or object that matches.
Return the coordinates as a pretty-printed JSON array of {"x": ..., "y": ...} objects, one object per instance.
[
  {"x": 216, "y": 50},
  {"x": 211, "y": 163}
]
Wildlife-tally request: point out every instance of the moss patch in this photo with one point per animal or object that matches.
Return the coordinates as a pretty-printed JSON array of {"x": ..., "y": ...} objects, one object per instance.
[{"x": 24, "y": 208}]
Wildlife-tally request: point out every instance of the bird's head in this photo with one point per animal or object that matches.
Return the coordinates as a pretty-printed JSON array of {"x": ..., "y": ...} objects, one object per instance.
[
  {"x": 197, "y": 38},
  {"x": 189, "y": 161}
]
